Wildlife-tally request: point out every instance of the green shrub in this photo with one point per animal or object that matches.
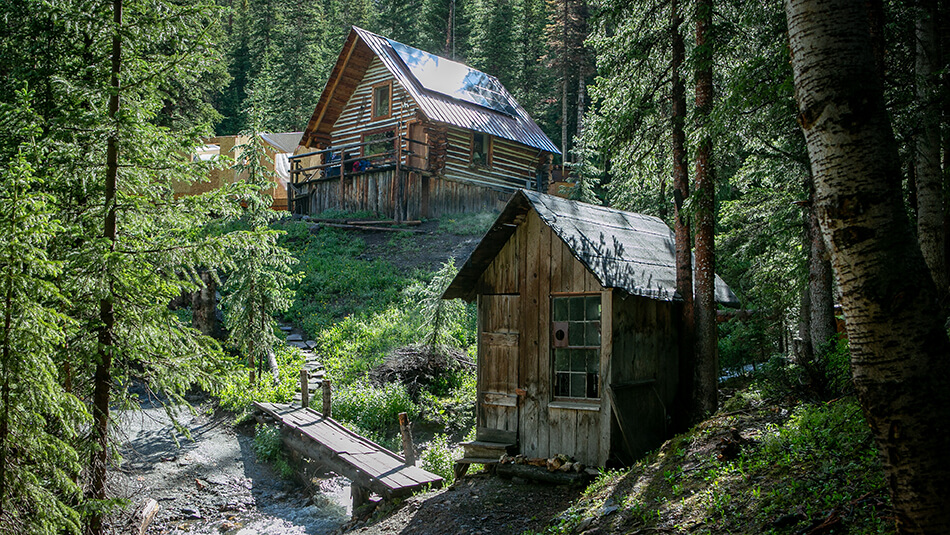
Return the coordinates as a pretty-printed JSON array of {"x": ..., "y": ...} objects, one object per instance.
[
  {"x": 238, "y": 394},
  {"x": 269, "y": 448},
  {"x": 374, "y": 409},
  {"x": 439, "y": 458}
]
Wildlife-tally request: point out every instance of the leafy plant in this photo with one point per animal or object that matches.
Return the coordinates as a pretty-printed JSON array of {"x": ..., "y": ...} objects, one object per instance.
[
  {"x": 439, "y": 458},
  {"x": 269, "y": 448}
]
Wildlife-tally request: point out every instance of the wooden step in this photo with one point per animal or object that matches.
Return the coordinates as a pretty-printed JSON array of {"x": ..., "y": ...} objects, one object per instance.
[{"x": 479, "y": 449}]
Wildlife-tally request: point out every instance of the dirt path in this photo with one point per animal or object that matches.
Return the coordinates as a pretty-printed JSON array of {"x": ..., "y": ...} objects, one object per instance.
[
  {"x": 478, "y": 504},
  {"x": 213, "y": 484}
]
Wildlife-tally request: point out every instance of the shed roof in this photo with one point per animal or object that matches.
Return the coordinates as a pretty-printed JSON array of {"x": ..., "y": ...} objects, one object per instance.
[
  {"x": 434, "y": 106},
  {"x": 632, "y": 252}
]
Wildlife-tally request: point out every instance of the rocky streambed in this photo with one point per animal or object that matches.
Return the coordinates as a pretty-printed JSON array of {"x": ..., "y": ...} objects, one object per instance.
[{"x": 213, "y": 483}]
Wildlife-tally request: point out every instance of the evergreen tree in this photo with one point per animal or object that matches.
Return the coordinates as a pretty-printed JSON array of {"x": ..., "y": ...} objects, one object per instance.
[
  {"x": 39, "y": 420},
  {"x": 259, "y": 284}
]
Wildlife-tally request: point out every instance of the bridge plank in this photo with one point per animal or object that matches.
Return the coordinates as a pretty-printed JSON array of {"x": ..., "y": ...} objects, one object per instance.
[{"x": 347, "y": 453}]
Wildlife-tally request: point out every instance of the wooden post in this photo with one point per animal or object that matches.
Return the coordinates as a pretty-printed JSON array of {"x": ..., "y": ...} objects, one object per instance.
[
  {"x": 360, "y": 496},
  {"x": 327, "y": 413},
  {"x": 407, "y": 449},
  {"x": 304, "y": 388}
]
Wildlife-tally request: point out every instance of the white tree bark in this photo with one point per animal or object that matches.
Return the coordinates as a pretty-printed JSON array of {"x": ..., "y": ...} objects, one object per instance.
[{"x": 899, "y": 347}]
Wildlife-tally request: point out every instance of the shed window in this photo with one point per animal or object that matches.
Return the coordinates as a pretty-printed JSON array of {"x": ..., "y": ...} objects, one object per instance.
[
  {"x": 575, "y": 341},
  {"x": 381, "y": 100},
  {"x": 481, "y": 149}
]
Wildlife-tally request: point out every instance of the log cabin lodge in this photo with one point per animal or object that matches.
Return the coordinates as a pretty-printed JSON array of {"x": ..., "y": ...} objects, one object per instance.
[{"x": 407, "y": 134}]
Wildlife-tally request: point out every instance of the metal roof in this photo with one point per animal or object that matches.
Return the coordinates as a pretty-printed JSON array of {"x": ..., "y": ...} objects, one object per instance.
[
  {"x": 283, "y": 141},
  {"x": 443, "y": 108},
  {"x": 632, "y": 252}
]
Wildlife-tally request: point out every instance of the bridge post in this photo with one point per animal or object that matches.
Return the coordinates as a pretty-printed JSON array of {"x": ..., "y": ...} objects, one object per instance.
[
  {"x": 304, "y": 388},
  {"x": 326, "y": 399},
  {"x": 408, "y": 451}
]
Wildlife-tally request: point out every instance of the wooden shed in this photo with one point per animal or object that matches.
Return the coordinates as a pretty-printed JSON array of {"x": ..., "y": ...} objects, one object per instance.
[
  {"x": 279, "y": 147},
  {"x": 409, "y": 134},
  {"x": 578, "y": 331}
]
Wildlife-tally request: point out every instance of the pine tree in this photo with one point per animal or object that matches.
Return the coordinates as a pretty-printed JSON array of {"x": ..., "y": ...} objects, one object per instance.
[
  {"x": 259, "y": 284},
  {"x": 39, "y": 421}
]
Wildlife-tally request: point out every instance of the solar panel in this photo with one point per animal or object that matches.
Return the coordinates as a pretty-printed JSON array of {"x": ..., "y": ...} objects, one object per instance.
[{"x": 455, "y": 80}]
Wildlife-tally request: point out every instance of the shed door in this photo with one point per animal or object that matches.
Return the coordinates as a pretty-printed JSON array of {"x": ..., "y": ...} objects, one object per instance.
[{"x": 499, "y": 328}]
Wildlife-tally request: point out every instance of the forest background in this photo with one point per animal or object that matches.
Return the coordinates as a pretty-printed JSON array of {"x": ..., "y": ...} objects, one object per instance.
[{"x": 97, "y": 96}]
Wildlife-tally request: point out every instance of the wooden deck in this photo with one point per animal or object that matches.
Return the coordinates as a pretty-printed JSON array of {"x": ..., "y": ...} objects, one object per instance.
[{"x": 368, "y": 465}]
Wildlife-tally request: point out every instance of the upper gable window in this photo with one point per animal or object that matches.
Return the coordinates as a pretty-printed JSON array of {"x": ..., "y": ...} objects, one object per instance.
[
  {"x": 481, "y": 149},
  {"x": 382, "y": 100}
]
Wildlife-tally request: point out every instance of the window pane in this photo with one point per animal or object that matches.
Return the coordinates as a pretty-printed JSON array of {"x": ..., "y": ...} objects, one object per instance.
[
  {"x": 562, "y": 384},
  {"x": 578, "y": 360},
  {"x": 560, "y": 309},
  {"x": 593, "y": 360},
  {"x": 593, "y": 333},
  {"x": 578, "y": 385},
  {"x": 592, "y": 386},
  {"x": 593, "y": 307},
  {"x": 577, "y": 309},
  {"x": 575, "y": 334},
  {"x": 381, "y": 101},
  {"x": 562, "y": 360}
]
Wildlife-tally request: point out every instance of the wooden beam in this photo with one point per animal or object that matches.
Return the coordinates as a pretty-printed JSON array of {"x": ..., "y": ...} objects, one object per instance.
[{"x": 336, "y": 80}]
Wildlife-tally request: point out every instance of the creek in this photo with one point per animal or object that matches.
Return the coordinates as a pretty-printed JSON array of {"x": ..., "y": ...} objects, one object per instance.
[{"x": 213, "y": 483}]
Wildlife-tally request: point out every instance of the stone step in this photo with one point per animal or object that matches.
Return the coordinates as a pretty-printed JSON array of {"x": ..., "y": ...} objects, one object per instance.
[{"x": 294, "y": 338}]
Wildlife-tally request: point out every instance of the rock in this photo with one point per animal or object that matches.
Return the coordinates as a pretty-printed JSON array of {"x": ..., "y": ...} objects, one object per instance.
[
  {"x": 584, "y": 524},
  {"x": 294, "y": 338},
  {"x": 200, "y": 485},
  {"x": 190, "y": 512}
]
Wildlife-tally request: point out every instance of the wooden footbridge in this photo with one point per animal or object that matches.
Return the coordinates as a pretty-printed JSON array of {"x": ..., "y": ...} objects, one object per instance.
[{"x": 369, "y": 466}]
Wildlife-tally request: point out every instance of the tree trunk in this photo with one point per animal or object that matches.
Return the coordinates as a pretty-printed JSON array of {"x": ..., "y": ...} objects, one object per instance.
[
  {"x": 102, "y": 380},
  {"x": 930, "y": 230},
  {"x": 684, "y": 249},
  {"x": 822, "y": 324},
  {"x": 203, "y": 306},
  {"x": 565, "y": 20},
  {"x": 899, "y": 347},
  {"x": 450, "y": 32},
  {"x": 705, "y": 392}
]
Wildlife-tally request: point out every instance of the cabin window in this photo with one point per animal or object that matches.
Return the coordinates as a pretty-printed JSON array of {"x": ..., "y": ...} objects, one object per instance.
[
  {"x": 379, "y": 144},
  {"x": 575, "y": 341},
  {"x": 382, "y": 103},
  {"x": 481, "y": 149}
]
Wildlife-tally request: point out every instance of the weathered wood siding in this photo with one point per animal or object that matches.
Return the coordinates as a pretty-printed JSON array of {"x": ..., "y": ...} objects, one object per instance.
[
  {"x": 644, "y": 372},
  {"x": 535, "y": 263},
  {"x": 426, "y": 196}
]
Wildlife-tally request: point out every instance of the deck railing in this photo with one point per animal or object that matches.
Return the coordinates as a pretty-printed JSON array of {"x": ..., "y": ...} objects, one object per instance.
[{"x": 349, "y": 159}]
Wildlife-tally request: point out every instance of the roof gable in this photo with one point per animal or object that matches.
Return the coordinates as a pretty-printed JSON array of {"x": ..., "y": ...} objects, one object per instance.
[
  {"x": 624, "y": 250},
  {"x": 361, "y": 45}
]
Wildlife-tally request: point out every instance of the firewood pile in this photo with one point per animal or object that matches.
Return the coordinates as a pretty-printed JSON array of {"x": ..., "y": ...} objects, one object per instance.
[{"x": 558, "y": 463}]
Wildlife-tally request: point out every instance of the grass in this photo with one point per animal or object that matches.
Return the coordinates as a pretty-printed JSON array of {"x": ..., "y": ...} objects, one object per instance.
[
  {"x": 358, "y": 310},
  {"x": 475, "y": 224},
  {"x": 800, "y": 466}
]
